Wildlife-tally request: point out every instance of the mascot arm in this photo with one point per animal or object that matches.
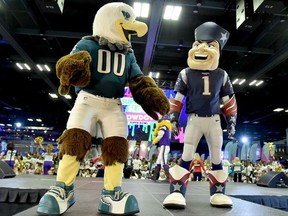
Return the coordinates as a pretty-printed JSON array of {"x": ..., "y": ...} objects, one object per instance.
[
  {"x": 229, "y": 111},
  {"x": 159, "y": 137},
  {"x": 73, "y": 69},
  {"x": 151, "y": 98},
  {"x": 176, "y": 106}
]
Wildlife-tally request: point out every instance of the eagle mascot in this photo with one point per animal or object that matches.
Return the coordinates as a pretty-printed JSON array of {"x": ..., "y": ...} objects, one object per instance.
[{"x": 99, "y": 67}]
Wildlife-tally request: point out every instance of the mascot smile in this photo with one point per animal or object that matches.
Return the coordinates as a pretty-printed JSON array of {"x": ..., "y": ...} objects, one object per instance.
[{"x": 99, "y": 67}]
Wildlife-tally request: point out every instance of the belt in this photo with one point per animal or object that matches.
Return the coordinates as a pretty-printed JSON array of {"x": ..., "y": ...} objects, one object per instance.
[{"x": 201, "y": 115}]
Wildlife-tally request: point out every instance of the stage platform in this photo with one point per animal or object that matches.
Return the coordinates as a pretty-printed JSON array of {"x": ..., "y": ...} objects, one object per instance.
[{"x": 150, "y": 196}]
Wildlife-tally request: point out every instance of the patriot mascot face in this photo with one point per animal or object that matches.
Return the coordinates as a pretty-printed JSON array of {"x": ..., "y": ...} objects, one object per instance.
[
  {"x": 210, "y": 38},
  {"x": 204, "y": 55}
]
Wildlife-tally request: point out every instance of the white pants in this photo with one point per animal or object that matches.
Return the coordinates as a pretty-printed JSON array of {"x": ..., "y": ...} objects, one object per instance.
[
  {"x": 210, "y": 128},
  {"x": 89, "y": 110}
]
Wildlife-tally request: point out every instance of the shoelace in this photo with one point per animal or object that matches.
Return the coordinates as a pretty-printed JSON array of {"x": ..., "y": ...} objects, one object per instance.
[
  {"x": 119, "y": 194},
  {"x": 58, "y": 191}
]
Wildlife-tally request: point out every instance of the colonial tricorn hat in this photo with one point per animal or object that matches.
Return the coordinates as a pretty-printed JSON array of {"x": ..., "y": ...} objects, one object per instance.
[{"x": 210, "y": 31}]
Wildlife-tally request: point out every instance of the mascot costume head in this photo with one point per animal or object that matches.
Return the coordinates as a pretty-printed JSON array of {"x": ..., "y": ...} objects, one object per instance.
[
  {"x": 210, "y": 38},
  {"x": 99, "y": 67}
]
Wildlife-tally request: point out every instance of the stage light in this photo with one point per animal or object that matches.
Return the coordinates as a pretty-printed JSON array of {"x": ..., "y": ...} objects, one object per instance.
[{"x": 244, "y": 139}]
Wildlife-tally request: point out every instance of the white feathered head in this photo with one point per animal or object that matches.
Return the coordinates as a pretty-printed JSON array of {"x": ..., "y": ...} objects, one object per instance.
[{"x": 116, "y": 22}]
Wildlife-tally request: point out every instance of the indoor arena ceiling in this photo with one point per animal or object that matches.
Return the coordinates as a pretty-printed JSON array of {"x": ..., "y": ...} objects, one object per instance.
[{"x": 256, "y": 50}]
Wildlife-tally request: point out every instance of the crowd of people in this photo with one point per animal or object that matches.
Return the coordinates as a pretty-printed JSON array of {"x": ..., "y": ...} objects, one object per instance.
[{"x": 135, "y": 168}]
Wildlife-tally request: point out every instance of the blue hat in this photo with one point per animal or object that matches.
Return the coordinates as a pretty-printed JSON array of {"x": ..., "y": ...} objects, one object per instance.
[{"x": 210, "y": 31}]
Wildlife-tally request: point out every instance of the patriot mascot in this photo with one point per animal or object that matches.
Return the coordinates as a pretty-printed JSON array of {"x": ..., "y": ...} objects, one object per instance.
[
  {"x": 206, "y": 87},
  {"x": 99, "y": 67}
]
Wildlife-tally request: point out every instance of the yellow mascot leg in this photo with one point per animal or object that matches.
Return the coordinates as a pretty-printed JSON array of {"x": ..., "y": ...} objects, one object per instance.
[
  {"x": 68, "y": 169},
  {"x": 74, "y": 144},
  {"x": 113, "y": 176}
]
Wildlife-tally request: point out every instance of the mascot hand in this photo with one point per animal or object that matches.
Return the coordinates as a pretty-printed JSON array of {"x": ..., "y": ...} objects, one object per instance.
[
  {"x": 231, "y": 131},
  {"x": 151, "y": 98},
  {"x": 155, "y": 141},
  {"x": 176, "y": 128},
  {"x": 73, "y": 69}
]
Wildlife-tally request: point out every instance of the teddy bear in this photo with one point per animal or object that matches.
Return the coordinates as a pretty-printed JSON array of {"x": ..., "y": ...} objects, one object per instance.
[{"x": 99, "y": 67}]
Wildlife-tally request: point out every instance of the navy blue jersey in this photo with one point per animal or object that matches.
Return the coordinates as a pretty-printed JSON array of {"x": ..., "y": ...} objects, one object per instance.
[
  {"x": 203, "y": 90},
  {"x": 110, "y": 70},
  {"x": 165, "y": 140}
]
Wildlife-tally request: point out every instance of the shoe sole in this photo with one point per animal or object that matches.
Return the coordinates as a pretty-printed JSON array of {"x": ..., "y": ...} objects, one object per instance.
[
  {"x": 174, "y": 206},
  {"x": 110, "y": 213},
  {"x": 43, "y": 213}
]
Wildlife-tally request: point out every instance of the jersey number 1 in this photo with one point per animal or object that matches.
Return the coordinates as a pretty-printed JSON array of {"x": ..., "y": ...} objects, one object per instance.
[{"x": 206, "y": 85}]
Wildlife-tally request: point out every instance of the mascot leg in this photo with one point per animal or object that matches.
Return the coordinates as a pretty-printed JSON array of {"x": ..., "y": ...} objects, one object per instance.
[
  {"x": 178, "y": 183},
  {"x": 74, "y": 145},
  {"x": 166, "y": 170},
  {"x": 218, "y": 179},
  {"x": 156, "y": 172},
  {"x": 113, "y": 200}
]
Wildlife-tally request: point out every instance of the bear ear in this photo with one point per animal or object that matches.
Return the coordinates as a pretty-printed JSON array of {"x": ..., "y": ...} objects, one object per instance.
[{"x": 63, "y": 90}]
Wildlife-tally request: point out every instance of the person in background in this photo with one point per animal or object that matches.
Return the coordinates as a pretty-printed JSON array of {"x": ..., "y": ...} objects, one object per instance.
[
  {"x": 48, "y": 159},
  {"x": 237, "y": 168},
  {"x": 197, "y": 167},
  {"x": 162, "y": 137},
  {"x": 10, "y": 155},
  {"x": 3, "y": 145},
  {"x": 227, "y": 168},
  {"x": 128, "y": 167},
  {"x": 137, "y": 165}
]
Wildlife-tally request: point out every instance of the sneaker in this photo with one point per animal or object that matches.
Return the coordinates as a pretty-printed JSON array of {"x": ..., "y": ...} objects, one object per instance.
[
  {"x": 117, "y": 202},
  {"x": 57, "y": 200}
]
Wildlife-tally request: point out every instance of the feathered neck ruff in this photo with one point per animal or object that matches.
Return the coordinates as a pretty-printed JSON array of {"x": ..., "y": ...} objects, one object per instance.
[{"x": 112, "y": 46}]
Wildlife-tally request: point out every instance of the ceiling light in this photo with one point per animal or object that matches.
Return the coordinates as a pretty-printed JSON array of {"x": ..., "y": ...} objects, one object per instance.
[
  {"x": 253, "y": 82},
  {"x": 256, "y": 82},
  {"x": 235, "y": 81},
  {"x": 238, "y": 81},
  {"x": 53, "y": 95},
  {"x": 195, "y": 10},
  {"x": 42, "y": 67},
  {"x": 155, "y": 75},
  {"x": 23, "y": 66},
  {"x": 141, "y": 9},
  {"x": 68, "y": 96},
  {"x": 259, "y": 82},
  {"x": 172, "y": 12},
  {"x": 242, "y": 81},
  {"x": 19, "y": 66},
  {"x": 27, "y": 66},
  {"x": 199, "y": 3},
  {"x": 18, "y": 124},
  {"x": 39, "y": 120},
  {"x": 278, "y": 109}
]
